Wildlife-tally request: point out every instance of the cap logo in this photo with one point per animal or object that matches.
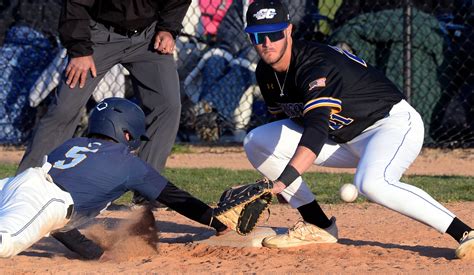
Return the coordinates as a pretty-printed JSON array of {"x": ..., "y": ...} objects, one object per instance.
[
  {"x": 101, "y": 106},
  {"x": 265, "y": 14}
]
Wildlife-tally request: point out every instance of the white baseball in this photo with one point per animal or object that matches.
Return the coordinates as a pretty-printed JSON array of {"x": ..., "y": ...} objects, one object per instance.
[{"x": 348, "y": 192}]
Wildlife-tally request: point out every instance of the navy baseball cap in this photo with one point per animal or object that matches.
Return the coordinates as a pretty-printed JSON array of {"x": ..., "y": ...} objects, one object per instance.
[{"x": 267, "y": 16}]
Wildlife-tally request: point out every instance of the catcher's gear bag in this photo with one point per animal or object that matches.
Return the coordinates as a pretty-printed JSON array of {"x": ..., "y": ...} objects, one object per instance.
[{"x": 240, "y": 207}]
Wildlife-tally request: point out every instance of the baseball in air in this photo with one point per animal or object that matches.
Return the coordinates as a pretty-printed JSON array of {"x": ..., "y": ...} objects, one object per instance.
[{"x": 348, "y": 192}]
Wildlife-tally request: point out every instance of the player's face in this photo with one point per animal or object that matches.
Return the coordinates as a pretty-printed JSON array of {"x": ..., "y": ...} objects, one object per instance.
[{"x": 272, "y": 46}]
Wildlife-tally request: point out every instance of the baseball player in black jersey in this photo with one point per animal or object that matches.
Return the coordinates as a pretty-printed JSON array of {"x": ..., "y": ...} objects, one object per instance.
[{"x": 335, "y": 110}]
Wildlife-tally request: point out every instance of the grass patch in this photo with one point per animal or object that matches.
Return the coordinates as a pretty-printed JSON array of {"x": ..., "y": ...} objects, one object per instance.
[
  {"x": 181, "y": 149},
  {"x": 7, "y": 170},
  {"x": 209, "y": 183}
]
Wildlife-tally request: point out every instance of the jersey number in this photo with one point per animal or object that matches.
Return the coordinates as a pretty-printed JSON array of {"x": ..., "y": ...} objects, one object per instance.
[
  {"x": 77, "y": 155},
  {"x": 337, "y": 121},
  {"x": 351, "y": 56}
]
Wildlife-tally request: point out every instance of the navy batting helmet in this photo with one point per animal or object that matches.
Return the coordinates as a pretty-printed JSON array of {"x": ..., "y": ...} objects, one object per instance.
[{"x": 114, "y": 116}]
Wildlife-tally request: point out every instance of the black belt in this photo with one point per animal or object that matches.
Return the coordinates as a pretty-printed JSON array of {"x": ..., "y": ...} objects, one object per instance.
[
  {"x": 69, "y": 211},
  {"x": 124, "y": 31}
]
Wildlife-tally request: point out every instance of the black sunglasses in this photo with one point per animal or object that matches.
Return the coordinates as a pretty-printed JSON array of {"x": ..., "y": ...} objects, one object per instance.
[{"x": 259, "y": 38}]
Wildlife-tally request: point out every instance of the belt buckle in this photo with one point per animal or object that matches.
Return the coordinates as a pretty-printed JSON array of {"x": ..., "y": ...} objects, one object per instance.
[{"x": 69, "y": 211}]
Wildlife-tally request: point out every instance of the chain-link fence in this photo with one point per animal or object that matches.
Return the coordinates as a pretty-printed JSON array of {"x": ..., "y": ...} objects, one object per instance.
[{"x": 424, "y": 47}]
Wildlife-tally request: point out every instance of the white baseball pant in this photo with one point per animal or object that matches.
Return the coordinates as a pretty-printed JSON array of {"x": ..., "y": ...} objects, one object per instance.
[
  {"x": 381, "y": 155},
  {"x": 31, "y": 206}
]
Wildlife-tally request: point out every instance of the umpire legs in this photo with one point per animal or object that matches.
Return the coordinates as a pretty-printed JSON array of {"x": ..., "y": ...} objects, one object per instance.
[
  {"x": 58, "y": 124},
  {"x": 154, "y": 76},
  {"x": 63, "y": 114},
  {"x": 157, "y": 84}
]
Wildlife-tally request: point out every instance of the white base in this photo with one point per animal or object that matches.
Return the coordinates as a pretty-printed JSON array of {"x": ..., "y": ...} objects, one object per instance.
[{"x": 253, "y": 239}]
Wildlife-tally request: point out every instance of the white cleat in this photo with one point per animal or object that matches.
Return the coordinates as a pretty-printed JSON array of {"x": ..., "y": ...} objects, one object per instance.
[
  {"x": 303, "y": 233},
  {"x": 465, "y": 250}
]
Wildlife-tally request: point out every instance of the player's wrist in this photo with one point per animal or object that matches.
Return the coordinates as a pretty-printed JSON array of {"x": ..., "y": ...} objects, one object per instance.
[
  {"x": 289, "y": 175},
  {"x": 278, "y": 187}
]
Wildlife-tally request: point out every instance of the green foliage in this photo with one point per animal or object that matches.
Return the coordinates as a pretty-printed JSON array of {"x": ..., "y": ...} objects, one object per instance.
[
  {"x": 209, "y": 183},
  {"x": 7, "y": 170},
  {"x": 180, "y": 149},
  {"x": 445, "y": 188}
]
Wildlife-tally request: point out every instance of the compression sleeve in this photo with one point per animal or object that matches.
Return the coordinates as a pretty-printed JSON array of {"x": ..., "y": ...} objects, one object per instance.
[
  {"x": 315, "y": 133},
  {"x": 188, "y": 206}
]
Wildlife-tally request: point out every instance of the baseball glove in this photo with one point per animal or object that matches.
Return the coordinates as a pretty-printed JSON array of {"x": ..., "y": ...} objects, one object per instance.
[{"x": 240, "y": 207}]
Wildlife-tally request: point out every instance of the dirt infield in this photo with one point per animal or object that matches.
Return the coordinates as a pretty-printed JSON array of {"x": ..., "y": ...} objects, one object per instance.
[{"x": 372, "y": 239}]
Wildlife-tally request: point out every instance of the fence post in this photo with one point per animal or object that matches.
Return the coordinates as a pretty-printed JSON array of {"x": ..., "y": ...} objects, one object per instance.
[{"x": 407, "y": 48}]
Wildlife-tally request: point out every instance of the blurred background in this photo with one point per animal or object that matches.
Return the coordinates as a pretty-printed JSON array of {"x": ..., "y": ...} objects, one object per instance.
[{"x": 425, "y": 47}]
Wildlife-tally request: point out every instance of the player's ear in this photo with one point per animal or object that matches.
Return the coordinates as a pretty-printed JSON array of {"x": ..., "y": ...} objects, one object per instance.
[
  {"x": 128, "y": 137},
  {"x": 289, "y": 30}
]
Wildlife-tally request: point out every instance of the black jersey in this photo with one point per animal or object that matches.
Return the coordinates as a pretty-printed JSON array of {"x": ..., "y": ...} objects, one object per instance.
[{"x": 354, "y": 93}]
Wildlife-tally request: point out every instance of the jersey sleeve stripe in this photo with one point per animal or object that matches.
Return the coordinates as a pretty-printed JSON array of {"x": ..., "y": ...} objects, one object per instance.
[{"x": 334, "y": 103}]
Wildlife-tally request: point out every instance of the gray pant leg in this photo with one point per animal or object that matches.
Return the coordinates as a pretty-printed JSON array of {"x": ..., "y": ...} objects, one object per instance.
[
  {"x": 155, "y": 79},
  {"x": 58, "y": 124},
  {"x": 63, "y": 115},
  {"x": 157, "y": 84}
]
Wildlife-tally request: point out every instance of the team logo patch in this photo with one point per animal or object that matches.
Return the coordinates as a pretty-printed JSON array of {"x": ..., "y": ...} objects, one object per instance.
[
  {"x": 265, "y": 14},
  {"x": 318, "y": 83}
]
